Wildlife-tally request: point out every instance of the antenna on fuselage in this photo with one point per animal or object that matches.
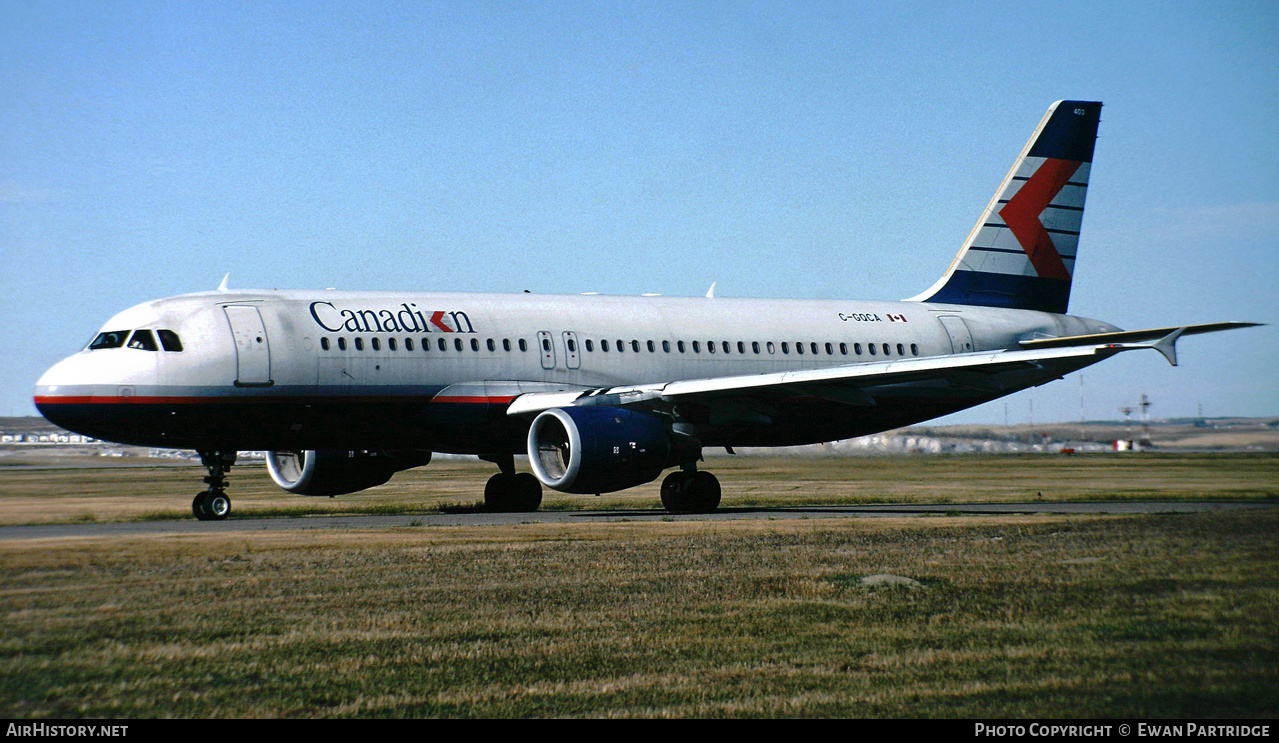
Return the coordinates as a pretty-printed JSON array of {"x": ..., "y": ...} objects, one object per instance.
[
  {"x": 226, "y": 280},
  {"x": 710, "y": 293}
]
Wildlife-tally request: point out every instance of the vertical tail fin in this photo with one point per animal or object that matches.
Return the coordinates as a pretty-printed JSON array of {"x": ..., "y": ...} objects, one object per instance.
[{"x": 1021, "y": 253}]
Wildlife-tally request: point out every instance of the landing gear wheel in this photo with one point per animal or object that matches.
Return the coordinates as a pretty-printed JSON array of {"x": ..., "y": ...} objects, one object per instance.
[
  {"x": 530, "y": 492},
  {"x": 211, "y": 506},
  {"x": 510, "y": 493},
  {"x": 219, "y": 506},
  {"x": 690, "y": 492}
]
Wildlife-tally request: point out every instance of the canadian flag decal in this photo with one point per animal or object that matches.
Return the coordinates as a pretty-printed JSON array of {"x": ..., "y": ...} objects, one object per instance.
[{"x": 1022, "y": 211}]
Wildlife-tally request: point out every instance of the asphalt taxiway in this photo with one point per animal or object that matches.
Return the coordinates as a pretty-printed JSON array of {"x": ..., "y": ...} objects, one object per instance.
[{"x": 191, "y": 526}]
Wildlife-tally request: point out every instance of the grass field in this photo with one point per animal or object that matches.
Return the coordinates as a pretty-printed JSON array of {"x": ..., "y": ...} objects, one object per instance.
[
  {"x": 1139, "y": 617},
  {"x": 113, "y": 493}
]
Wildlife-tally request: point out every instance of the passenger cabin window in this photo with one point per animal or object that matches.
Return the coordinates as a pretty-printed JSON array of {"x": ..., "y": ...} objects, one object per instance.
[
  {"x": 169, "y": 340},
  {"x": 109, "y": 339},
  {"x": 359, "y": 344},
  {"x": 143, "y": 340},
  {"x": 324, "y": 343},
  {"x": 341, "y": 344},
  {"x": 377, "y": 345}
]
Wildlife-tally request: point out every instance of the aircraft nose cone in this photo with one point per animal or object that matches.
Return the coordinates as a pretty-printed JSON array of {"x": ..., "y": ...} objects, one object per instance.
[
  {"x": 89, "y": 392},
  {"x": 57, "y": 392}
]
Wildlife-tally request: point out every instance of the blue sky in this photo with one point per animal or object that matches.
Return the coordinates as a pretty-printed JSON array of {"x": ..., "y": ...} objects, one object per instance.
[{"x": 813, "y": 150}]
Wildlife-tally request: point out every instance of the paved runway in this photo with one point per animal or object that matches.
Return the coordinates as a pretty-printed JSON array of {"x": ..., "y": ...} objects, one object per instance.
[{"x": 191, "y": 526}]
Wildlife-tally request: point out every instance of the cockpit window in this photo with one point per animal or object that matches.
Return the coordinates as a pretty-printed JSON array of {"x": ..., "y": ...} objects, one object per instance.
[
  {"x": 109, "y": 339},
  {"x": 169, "y": 340},
  {"x": 143, "y": 340}
]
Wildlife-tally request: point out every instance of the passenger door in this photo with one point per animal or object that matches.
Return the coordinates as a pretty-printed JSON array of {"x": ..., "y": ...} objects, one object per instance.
[
  {"x": 252, "y": 350},
  {"x": 961, "y": 341}
]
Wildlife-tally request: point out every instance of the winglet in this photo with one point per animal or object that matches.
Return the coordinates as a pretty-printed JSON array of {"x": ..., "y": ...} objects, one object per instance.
[
  {"x": 225, "y": 285},
  {"x": 1166, "y": 345}
]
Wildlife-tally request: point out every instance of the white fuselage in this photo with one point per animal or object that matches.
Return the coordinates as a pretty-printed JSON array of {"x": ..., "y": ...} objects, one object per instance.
[{"x": 295, "y": 369}]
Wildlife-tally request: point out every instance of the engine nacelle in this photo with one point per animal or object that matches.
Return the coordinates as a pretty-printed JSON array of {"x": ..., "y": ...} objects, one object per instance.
[
  {"x": 597, "y": 449},
  {"x": 338, "y": 472}
]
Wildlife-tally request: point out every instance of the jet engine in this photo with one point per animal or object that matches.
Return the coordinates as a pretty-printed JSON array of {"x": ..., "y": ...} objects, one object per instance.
[
  {"x": 592, "y": 449},
  {"x": 338, "y": 472}
]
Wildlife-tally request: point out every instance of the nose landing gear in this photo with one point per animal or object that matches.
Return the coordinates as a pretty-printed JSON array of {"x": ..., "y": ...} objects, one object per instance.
[{"x": 213, "y": 504}]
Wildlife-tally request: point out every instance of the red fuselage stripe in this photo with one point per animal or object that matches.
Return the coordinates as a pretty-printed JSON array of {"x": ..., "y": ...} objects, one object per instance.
[{"x": 220, "y": 400}]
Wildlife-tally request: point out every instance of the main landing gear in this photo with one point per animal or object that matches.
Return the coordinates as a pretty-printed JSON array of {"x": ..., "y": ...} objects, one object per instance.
[
  {"x": 213, "y": 504},
  {"x": 511, "y": 492},
  {"x": 690, "y": 491}
]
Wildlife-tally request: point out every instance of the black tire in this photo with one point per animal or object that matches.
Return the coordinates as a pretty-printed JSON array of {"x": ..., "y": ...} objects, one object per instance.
[
  {"x": 199, "y": 506},
  {"x": 528, "y": 492},
  {"x": 499, "y": 493},
  {"x": 690, "y": 492},
  {"x": 706, "y": 492}
]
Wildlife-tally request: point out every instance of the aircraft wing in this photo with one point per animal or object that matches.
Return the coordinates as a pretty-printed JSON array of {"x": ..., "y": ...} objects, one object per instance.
[
  {"x": 845, "y": 383},
  {"x": 1129, "y": 336}
]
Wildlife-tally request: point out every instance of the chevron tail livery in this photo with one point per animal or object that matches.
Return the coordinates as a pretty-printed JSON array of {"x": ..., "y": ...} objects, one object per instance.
[{"x": 602, "y": 393}]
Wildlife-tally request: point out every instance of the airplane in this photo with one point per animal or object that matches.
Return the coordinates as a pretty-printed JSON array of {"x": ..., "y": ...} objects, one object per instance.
[{"x": 602, "y": 393}]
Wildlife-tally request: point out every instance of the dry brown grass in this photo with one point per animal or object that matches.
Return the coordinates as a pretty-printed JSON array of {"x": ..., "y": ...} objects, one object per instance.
[{"x": 1021, "y": 616}]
